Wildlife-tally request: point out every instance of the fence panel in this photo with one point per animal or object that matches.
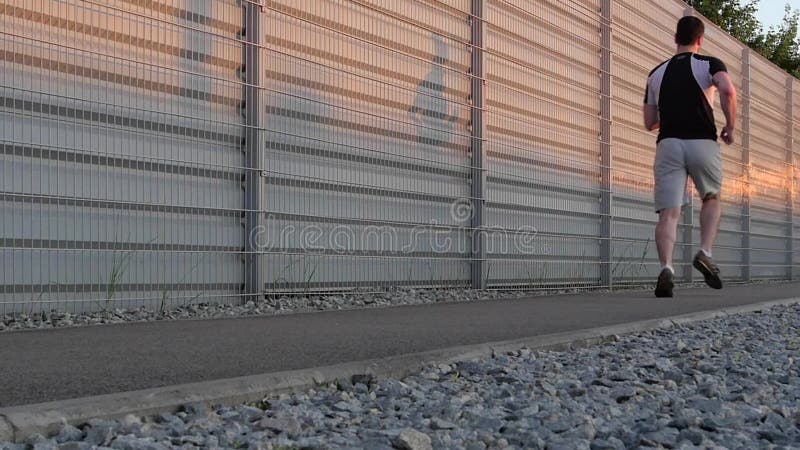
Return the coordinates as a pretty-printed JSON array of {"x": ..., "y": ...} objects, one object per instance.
[
  {"x": 144, "y": 164},
  {"x": 769, "y": 172},
  {"x": 121, "y": 170},
  {"x": 542, "y": 147},
  {"x": 367, "y": 145},
  {"x": 796, "y": 176}
]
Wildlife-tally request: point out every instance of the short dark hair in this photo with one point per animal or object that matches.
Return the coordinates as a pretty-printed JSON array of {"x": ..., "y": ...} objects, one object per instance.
[{"x": 690, "y": 29}]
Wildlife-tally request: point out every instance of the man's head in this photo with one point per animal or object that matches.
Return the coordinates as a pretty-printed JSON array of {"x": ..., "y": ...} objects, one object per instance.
[{"x": 690, "y": 31}]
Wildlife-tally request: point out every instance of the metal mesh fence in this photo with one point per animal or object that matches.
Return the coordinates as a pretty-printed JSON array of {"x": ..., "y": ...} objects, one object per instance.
[{"x": 157, "y": 153}]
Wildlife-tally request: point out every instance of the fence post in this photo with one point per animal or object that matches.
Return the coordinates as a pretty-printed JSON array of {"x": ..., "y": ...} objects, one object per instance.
[
  {"x": 478, "y": 128},
  {"x": 790, "y": 176},
  {"x": 606, "y": 160},
  {"x": 746, "y": 257},
  {"x": 252, "y": 179},
  {"x": 688, "y": 218}
]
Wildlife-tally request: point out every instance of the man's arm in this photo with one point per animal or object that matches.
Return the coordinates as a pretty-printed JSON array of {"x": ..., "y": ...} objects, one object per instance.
[
  {"x": 651, "y": 119},
  {"x": 650, "y": 109},
  {"x": 728, "y": 101}
]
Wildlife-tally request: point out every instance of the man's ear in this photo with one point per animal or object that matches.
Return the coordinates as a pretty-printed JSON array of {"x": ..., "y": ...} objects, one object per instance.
[{"x": 700, "y": 41}]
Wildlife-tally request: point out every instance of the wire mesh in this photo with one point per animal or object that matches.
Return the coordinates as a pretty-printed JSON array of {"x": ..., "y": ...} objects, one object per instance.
[{"x": 122, "y": 163}]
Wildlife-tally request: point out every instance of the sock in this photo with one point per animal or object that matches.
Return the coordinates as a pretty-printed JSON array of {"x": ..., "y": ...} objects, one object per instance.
[
  {"x": 706, "y": 252},
  {"x": 668, "y": 266}
]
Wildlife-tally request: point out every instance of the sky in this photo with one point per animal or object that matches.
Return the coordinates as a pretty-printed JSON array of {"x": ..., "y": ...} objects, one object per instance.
[{"x": 770, "y": 12}]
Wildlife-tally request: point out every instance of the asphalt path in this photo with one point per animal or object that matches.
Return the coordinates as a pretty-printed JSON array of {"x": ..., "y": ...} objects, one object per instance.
[{"x": 57, "y": 364}]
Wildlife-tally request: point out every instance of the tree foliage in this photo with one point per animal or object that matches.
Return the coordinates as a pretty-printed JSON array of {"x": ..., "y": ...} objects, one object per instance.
[{"x": 777, "y": 43}]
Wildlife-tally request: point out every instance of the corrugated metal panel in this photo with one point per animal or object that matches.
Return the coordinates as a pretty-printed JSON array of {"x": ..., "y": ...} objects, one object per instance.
[
  {"x": 366, "y": 127},
  {"x": 796, "y": 177},
  {"x": 769, "y": 174},
  {"x": 121, "y": 161},
  {"x": 542, "y": 145}
]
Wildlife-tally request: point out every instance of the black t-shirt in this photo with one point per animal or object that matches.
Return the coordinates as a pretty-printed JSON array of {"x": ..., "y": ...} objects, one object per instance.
[{"x": 683, "y": 89}]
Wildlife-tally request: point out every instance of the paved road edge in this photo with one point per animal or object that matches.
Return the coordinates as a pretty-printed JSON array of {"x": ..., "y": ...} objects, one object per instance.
[{"x": 19, "y": 422}]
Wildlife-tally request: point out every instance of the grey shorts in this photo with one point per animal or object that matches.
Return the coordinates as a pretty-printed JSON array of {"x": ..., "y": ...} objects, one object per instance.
[{"x": 676, "y": 159}]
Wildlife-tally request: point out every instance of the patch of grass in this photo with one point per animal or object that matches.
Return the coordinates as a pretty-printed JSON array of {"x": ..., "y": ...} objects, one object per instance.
[{"x": 118, "y": 270}]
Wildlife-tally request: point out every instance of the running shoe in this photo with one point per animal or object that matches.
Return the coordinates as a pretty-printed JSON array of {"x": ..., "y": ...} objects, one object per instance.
[
  {"x": 664, "y": 285},
  {"x": 709, "y": 270}
]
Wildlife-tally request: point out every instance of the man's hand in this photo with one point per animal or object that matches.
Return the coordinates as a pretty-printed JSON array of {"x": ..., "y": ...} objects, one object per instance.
[{"x": 727, "y": 134}]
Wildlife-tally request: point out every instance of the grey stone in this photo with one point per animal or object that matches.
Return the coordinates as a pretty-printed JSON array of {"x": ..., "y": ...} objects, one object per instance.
[
  {"x": 69, "y": 446},
  {"x": 773, "y": 435},
  {"x": 410, "y": 439},
  {"x": 249, "y": 413},
  {"x": 348, "y": 407},
  {"x": 692, "y": 435},
  {"x": 432, "y": 376},
  {"x": 100, "y": 435},
  {"x": 585, "y": 431},
  {"x": 475, "y": 445},
  {"x": 68, "y": 433},
  {"x": 547, "y": 387},
  {"x": 440, "y": 424},
  {"x": 558, "y": 443},
  {"x": 35, "y": 439},
  {"x": 707, "y": 368},
  {"x": 603, "y": 382},
  {"x": 343, "y": 384},
  {"x": 559, "y": 426},
  {"x": 623, "y": 394},
  {"x": 49, "y": 444},
  {"x": 706, "y": 405},
  {"x": 622, "y": 376},
  {"x": 666, "y": 437},
  {"x": 130, "y": 442},
  {"x": 194, "y": 440},
  {"x": 489, "y": 423},
  {"x": 685, "y": 419},
  {"x": 611, "y": 443},
  {"x": 628, "y": 437},
  {"x": 288, "y": 425},
  {"x": 675, "y": 376}
]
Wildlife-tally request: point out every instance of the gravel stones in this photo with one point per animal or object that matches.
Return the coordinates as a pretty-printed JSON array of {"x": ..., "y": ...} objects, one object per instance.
[{"x": 270, "y": 306}]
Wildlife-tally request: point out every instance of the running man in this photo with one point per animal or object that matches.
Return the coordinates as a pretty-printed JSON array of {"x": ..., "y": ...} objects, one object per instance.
[{"x": 678, "y": 102}]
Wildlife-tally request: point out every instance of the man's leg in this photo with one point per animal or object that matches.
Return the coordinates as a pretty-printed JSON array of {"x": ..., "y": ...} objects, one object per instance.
[
  {"x": 669, "y": 171},
  {"x": 705, "y": 168},
  {"x": 667, "y": 234},
  {"x": 709, "y": 222}
]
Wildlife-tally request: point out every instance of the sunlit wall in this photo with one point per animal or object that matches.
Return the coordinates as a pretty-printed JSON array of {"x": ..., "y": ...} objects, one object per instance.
[{"x": 123, "y": 135}]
